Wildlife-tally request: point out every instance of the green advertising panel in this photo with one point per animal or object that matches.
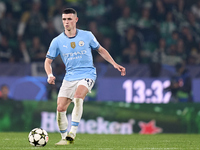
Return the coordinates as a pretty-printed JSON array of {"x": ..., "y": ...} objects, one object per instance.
[{"x": 104, "y": 117}]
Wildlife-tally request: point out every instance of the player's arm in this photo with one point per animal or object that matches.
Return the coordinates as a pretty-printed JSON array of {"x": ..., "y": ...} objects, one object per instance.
[
  {"x": 104, "y": 53},
  {"x": 48, "y": 69}
]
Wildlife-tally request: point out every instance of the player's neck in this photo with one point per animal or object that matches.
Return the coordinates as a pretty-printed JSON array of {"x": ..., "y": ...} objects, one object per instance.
[{"x": 71, "y": 33}]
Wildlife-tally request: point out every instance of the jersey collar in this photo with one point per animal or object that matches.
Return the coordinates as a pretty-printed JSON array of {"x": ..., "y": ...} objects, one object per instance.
[{"x": 73, "y": 36}]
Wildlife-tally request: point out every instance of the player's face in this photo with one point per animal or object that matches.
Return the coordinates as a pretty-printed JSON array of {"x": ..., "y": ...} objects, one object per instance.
[{"x": 69, "y": 21}]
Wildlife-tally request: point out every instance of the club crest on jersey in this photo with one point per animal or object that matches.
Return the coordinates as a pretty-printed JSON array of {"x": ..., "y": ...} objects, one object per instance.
[
  {"x": 73, "y": 45},
  {"x": 81, "y": 43}
]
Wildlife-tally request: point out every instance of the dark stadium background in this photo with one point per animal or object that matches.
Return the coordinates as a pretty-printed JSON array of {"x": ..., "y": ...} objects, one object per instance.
[{"x": 151, "y": 38}]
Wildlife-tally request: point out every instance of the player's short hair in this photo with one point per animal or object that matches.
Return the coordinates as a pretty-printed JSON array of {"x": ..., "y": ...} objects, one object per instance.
[{"x": 69, "y": 11}]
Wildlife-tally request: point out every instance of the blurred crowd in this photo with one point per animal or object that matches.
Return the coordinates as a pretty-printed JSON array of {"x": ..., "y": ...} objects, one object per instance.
[{"x": 133, "y": 31}]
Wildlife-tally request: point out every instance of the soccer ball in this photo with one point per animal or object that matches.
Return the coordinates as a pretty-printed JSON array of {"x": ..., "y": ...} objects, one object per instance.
[{"x": 38, "y": 137}]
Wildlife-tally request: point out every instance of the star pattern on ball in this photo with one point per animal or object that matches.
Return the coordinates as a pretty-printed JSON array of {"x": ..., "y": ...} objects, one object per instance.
[
  {"x": 38, "y": 137},
  {"x": 35, "y": 143},
  {"x": 149, "y": 128}
]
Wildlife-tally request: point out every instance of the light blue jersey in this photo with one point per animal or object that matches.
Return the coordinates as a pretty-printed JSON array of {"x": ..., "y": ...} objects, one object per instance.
[{"x": 76, "y": 54}]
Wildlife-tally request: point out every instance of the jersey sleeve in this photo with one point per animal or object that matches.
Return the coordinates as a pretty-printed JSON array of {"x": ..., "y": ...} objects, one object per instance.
[
  {"x": 94, "y": 44},
  {"x": 53, "y": 51}
]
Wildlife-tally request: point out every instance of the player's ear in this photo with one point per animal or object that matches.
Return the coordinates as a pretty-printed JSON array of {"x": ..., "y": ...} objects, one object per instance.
[{"x": 76, "y": 19}]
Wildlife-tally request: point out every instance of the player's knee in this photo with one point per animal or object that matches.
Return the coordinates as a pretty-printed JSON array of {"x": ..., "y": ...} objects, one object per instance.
[
  {"x": 61, "y": 108},
  {"x": 79, "y": 95}
]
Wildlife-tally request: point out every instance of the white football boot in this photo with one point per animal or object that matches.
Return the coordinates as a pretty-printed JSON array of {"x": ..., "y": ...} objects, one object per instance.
[{"x": 63, "y": 142}]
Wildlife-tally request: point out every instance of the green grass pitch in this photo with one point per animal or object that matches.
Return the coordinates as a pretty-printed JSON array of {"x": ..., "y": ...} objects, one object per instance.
[{"x": 19, "y": 141}]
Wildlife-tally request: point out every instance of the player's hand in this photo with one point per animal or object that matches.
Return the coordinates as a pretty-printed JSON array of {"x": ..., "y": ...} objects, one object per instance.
[
  {"x": 121, "y": 69},
  {"x": 51, "y": 79}
]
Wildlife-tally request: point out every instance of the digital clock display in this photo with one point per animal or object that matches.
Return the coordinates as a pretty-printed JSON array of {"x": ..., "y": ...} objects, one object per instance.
[
  {"x": 135, "y": 90},
  {"x": 139, "y": 91}
]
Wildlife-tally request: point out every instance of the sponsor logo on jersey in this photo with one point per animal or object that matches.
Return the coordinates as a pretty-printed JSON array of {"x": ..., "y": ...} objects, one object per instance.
[
  {"x": 73, "y": 45},
  {"x": 75, "y": 53},
  {"x": 81, "y": 43}
]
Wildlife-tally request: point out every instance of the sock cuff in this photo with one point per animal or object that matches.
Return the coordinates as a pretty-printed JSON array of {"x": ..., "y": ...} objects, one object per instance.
[
  {"x": 77, "y": 100},
  {"x": 62, "y": 112},
  {"x": 74, "y": 123},
  {"x": 63, "y": 131}
]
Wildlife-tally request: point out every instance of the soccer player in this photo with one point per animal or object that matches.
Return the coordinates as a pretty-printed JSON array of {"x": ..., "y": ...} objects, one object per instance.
[{"x": 74, "y": 46}]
